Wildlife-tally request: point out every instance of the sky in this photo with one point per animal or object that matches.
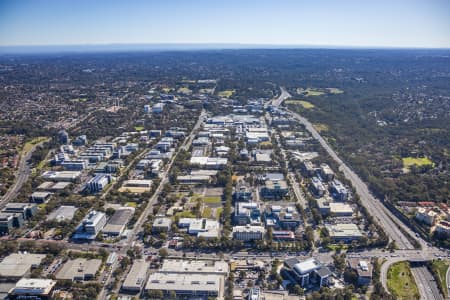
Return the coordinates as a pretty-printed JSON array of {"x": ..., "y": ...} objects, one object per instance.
[{"x": 360, "y": 23}]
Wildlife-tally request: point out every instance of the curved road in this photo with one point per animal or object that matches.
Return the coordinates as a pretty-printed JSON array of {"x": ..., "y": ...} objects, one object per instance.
[{"x": 23, "y": 172}]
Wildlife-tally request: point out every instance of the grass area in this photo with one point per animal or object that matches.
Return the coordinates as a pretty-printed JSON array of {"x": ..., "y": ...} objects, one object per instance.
[
  {"x": 310, "y": 92},
  {"x": 226, "y": 93},
  {"x": 320, "y": 127},
  {"x": 266, "y": 144},
  {"x": 401, "y": 282},
  {"x": 335, "y": 91},
  {"x": 213, "y": 200},
  {"x": 218, "y": 212},
  {"x": 336, "y": 247},
  {"x": 138, "y": 128},
  {"x": 303, "y": 103},
  {"x": 206, "y": 213},
  {"x": 440, "y": 273},
  {"x": 421, "y": 161},
  {"x": 131, "y": 204},
  {"x": 185, "y": 214},
  {"x": 28, "y": 145},
  {"x": 167, "y": 90}
]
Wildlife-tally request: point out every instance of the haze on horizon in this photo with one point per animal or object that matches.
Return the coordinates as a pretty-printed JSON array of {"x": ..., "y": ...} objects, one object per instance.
[{"x": 352, "y": 23}]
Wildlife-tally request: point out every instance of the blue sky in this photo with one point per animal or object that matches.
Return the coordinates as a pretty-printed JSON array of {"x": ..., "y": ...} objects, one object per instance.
[{"x": 381, "y": 23}]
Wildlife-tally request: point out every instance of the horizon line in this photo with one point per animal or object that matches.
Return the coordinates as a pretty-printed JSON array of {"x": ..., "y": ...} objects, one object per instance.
[{"x": 171, "y": 46}]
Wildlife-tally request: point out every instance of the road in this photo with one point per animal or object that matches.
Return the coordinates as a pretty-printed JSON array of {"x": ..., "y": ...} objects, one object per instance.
[
  {"x": 23, "y": 172},
  {"x": 426, "y": 284},
  {"x": 383, "y": 216},
  {"x": 126, "y": 244}
]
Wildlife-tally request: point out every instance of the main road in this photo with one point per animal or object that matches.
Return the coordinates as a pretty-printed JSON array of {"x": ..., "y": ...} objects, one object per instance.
[
  {"x": 129, "y": 241},
  {"x": 23, "y": 172},
  {"x": 393, "y": 227}
]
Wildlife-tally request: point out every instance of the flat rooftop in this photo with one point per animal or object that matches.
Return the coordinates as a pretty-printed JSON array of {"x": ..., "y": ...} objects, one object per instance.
[
  {"x": 194, "y": 266},
  {"x": 17, "y": 264},
  {"x": 62, "y": 213},
  {"x": 78, "y": 268},
  {"x": 185, "y": 282},
  {"x": 137, "y": 275}
]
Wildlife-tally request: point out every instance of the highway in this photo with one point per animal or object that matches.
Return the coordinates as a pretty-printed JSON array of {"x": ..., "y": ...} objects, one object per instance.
[
  {"x": 23, "y": 172},
  {"x": 425, "y": 283},
  {"x": 376, "y": 208}
]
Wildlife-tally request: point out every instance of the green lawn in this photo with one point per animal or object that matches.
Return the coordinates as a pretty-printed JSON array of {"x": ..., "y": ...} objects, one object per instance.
[
  {"x": 185, "y": 214},
  {"x": 206, "y": 213},
  {"x": 440, "y": 272},
  {"x": 310, "y": 92},
  {"x": 131, "y": 204},
  {"x": 401, "y": 282},
  {"x": 213, "y": 200},
  {"x": 421, "y": 161},
  {"x": 138, "y": 128},
  {"x": 28, "y": 145},
  {"x": 218, "y": 212},
  {"x": 303, "y": 103}
]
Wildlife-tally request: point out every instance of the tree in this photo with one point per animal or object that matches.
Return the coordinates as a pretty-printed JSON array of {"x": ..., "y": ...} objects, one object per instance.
[
  {"x": 163, "y": 252},
  {"x": 155, "y": 294}
]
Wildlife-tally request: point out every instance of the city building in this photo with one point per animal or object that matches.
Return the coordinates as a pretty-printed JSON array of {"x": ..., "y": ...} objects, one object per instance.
[
  {"x": 135, "y": 279},
  {"x": 247, "y": 213},
  {"x": 339, "y": 209},
  {"x": 32, "y": 289},
  {"x": 363, "y": 269},
  {"x": 8, "y": 221},
  {"x": 98, "y": 183},
  {"x": 183, "y": 266},
  {"x": 91, "y": 225},
  {"x": 209, "y": 162},
  {"x": 248, "y": 233},
  {"x": 79, "y": 269},
  {"x": 307, "y": 168},
  {"x": 161, "y": 224},
  {"x": 254, "y": 294},
  {"x": 338, "y": 191},
  {"x": 243, "y": 192},
  {"x": 70, "y": 176},
  {"x": 17, "y": 265},
  {"x": 426, "y": 215},
  {"x": 74, "y": 165},
  {"x": 117, "y": 224},
  {"x": 344, "y": 232},
  {"x": 63, "y": 137},
  {"x": 136, "y": 186},
  {"x": 443, "y": 228},
  {"x": 201, "y": 227},
  {"x": 40, "y": 197},
  {"x": 326, "y": 173},
  {"x": 198, "y": 285},
  {"x": 193, "y": 179},
  {"x": 27, "y": 210},
  {"x": 158, "y": 108},
  {"x": 274, "y": 190},
  {"x": 317, "y": 187},
  {"x": 308, "y": 272},
  {"x": 62, "y": 213},
  {"x": 282, "y": 217}
]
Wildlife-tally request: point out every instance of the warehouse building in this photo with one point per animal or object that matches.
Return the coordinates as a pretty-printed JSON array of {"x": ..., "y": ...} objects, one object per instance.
[
  {"x": 17, "y": 265},
  {"x": 118, "y": 222},
  {"x": 79, "y": 269},
  {"x": 135, "y": 279},
  {"x": 198, "y": 285},
  {"x": 62, "y": 213}
]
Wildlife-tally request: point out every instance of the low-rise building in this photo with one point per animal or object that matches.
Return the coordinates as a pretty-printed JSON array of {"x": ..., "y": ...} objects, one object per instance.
[
  {"x": 339, "y": 191},
  {"x": 426, "y": 215},
  {"x": 183, "y": 266},
  {"x": 74, "y": 165},
  {"x": 27, "y": 210},
  {"x": 326, "y": 172},
  {"x": 247, "y": 213},
  {"x": 135, "y": 279},
  {"x": 117, "y": 224},
  {"x": 339, "y": 209},
  {"x": 40, "y": 197},
  {"x": 62, "y": 213},
  {"x": 363, "y": 269},
  {"x": 70, "y": 176},
  {"x": 443, "y": 228},
  {"x": 193, "y": 179},
  {"x": 344, "y": 232},
  {"x": 198, "y": 285},
  {"x": 98, "y": 183},
  {"x": 317, "y": 187},
  {"x": 308, "y": 272},
  {"x": 91, "y": 225},
  {"x": 17, "y": 265},
  {"x": 248, "y": 233},
  {"x": 282, "y": 217},
  {"x": 32, "y": 288},
  {"x": 161, "y": 224},
  {"x": 79, "y": 269},
  {"x": 274, "y": 190}
]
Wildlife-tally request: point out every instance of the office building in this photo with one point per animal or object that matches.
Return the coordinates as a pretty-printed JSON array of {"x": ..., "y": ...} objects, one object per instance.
[
  {"x": 247, "y": 213},
  {"x": 363, "y": 269},
  {"x": 158, "y": 108},
  {"x": 248, "y": 233},
  {"x": 17, "y": 265},
  {"x": 40, "y": 197},
  {"x": 62, "y": 213},
  {"x": 90, "y": 226},
  {"x": 284, "y": 217},
  {"x": 317, "y": 187},
  {"x": 27, "y": 210},
  {"x": 79, "y": 269},
  {"x": 98, "y": 183},
  {"x": 308, "y": 272},
  {"x": 326, "y": 172},
  {"x": 274, "y": 190},
  {"x": 344, "y": 232},
  {"x": 74, "y": 165},
  {"x": 184, "y": 266},
  {"x": 338, "y": 191},
  {"x": 192, "y": 285},
  {"x": 32, "y": 289},
  {"x": 161, "y": 224}
]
